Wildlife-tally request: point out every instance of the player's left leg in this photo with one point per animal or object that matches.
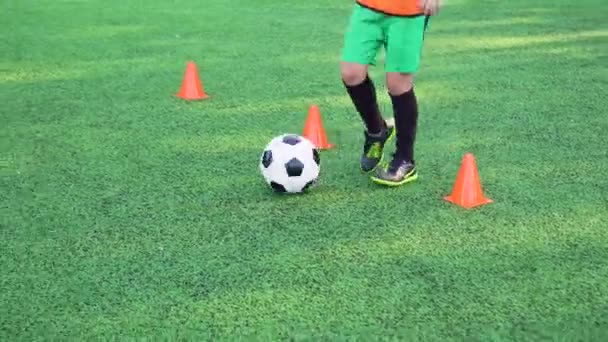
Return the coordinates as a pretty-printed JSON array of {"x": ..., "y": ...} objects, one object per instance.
[
  {"x": 402, "y": 167},
  {"x": 403, "y": 51}
]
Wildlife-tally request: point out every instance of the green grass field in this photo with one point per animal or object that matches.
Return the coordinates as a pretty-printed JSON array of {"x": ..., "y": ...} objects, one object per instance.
[{"x": 129, "y": 213}]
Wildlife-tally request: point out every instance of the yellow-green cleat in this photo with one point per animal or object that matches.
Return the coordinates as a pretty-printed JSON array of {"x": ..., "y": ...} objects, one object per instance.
[
  {"x": 397, "y": 172},
  {"x": 373, "y": 148}
]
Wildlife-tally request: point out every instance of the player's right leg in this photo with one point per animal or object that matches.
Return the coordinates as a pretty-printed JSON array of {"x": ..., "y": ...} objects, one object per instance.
[{"x": 363, "y": 39}]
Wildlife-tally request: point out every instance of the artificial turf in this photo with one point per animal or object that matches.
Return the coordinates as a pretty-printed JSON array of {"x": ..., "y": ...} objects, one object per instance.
[{"x": 127, "y": 212}]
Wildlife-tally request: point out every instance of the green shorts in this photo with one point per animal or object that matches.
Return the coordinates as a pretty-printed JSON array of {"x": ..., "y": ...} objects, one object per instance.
[{"x": 402, "y": 38}]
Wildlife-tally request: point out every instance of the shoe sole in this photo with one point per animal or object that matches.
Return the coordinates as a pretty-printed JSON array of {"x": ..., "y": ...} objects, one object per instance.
[
  {"x": 385, "y": 182},
  {"x": 390, "y": 137}
]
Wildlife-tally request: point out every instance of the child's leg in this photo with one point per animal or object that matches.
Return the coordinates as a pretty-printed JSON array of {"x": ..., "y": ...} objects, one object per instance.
[
  {"x": 405, "y": 108},
  {"x": 362, "y": 93},
  {"x": 403, "y": 49},
  {"x": 362, "y": 41}
]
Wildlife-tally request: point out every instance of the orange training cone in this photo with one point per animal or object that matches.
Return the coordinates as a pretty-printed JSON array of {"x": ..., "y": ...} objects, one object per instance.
[
  {"x": 314, "y": 131},
  {"x": 467, "y": 190},
  {"x": 192, "y": 87}
]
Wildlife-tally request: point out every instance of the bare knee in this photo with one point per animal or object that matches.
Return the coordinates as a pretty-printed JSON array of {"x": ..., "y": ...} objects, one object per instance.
[
  {"x": 399, "y": 83},
  {"x": 353, "y": 73}
]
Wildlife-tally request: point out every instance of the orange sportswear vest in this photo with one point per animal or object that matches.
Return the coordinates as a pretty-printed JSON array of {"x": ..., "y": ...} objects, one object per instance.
[{"x": 394, "y": 7}]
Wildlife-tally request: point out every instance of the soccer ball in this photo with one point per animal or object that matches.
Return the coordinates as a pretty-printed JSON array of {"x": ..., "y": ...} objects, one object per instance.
[{"x": 290, "y": 164}]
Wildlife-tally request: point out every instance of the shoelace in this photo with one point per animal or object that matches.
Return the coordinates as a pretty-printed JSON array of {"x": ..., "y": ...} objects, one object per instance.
[{"x": 395, "y": 163}]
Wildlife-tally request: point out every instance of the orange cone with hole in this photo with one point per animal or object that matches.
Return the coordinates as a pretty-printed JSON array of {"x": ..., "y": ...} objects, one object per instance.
[
  {"x": 192, "y": 87},
  {"x": 314, "y": 131},
  {"x": 467, "y": 191}
]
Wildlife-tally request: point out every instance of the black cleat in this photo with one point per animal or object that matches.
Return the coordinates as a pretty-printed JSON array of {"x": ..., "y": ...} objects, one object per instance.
[
  {"x": 398, "y": 172},
  {"x": 373, "y": 148}
]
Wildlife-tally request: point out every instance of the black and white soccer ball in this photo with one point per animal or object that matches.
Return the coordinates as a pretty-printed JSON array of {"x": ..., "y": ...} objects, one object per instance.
[{"x": 290, "y": 163}]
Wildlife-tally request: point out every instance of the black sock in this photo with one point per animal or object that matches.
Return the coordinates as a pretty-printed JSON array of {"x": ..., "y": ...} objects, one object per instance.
[
  {"x": 405, "y": 109},
  {"x": 363, "y": 96}
]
